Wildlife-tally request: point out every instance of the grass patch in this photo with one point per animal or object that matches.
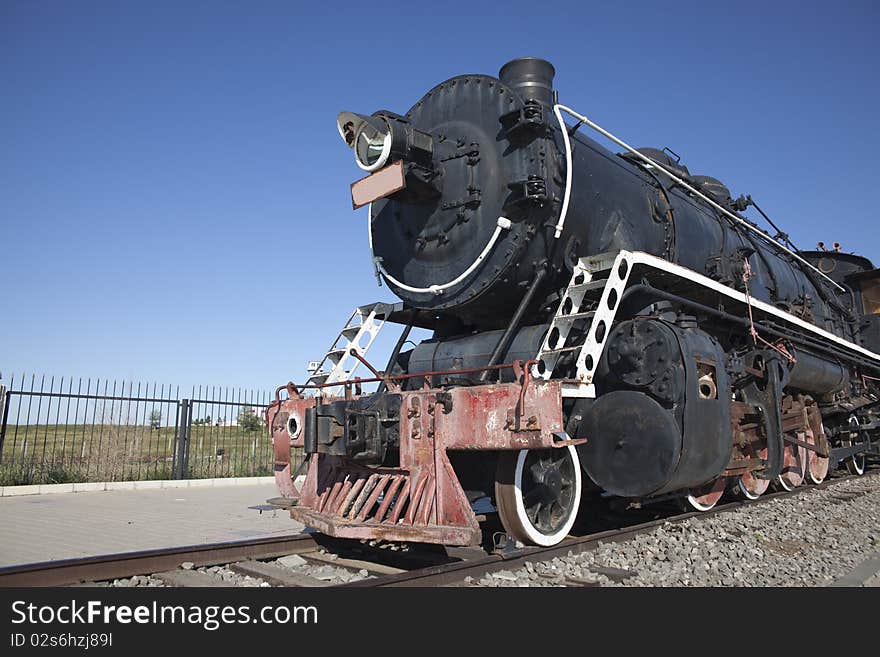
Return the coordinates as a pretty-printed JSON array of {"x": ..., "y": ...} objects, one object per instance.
[{"x": 49, "y": 453}]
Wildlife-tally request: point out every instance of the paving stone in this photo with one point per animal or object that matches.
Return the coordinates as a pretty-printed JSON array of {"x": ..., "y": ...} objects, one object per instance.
[{"x": 128, "y": 520}]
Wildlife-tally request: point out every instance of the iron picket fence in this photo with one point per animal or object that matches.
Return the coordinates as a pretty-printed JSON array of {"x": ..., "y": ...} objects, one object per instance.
[{"x": 71, "y": 430}]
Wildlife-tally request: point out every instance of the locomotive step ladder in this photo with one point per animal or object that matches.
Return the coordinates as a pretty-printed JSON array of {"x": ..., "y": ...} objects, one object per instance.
[
  {"x": 583, "y": 318},
  {"x": 358, "y": 333}
]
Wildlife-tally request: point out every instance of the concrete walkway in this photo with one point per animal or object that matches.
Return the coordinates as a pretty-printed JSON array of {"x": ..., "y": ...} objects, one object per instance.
[
  {"x": 867, "y": 573},
  {"x": 61, "y": 526}
]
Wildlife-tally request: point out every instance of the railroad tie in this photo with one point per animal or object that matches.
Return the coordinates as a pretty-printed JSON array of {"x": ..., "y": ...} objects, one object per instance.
[
  {"x": 356, "y": 564},
  {"x": 188, "y": 578},
  {"x": 275, "y": 575}
]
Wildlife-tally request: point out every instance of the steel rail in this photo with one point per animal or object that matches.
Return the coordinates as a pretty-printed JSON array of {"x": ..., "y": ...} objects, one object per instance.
[{"x": 128, "y": 564}]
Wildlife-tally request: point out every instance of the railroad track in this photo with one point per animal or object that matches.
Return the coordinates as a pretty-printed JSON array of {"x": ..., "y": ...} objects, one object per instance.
[
  {"x": 455, "y": 573},
  {"x": 314, "y": 560},
  {"x": 186, "y": 565}
]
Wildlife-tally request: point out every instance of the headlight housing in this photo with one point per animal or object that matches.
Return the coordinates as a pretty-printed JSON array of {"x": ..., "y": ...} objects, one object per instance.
[{"x": 368, "y": 136}]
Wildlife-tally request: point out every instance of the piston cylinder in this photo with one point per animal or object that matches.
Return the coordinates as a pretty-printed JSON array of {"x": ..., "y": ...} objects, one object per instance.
[{"x": 816, "y": 375}]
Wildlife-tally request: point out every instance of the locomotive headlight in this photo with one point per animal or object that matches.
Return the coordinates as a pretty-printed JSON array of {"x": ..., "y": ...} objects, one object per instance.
[
  {"x": 294, "y": 425},
  {"x": 368, "y": 136}
]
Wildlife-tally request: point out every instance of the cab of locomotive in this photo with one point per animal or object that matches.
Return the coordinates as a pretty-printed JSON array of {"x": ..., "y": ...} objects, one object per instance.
[
  {"x": 867, "y": 286},
  {"x": 861, "y": 281}
]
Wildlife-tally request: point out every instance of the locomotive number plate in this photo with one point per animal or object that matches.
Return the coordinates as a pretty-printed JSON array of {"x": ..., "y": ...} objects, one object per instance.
[{"x": 377, "y": 185}]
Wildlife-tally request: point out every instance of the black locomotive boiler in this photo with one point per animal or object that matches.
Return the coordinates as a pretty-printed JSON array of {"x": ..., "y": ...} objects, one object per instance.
[{"x": 602, "y": 323}]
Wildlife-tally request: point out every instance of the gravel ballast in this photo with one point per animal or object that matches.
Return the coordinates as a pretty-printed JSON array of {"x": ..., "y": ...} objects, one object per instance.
[{"x": 810, "y": 539}]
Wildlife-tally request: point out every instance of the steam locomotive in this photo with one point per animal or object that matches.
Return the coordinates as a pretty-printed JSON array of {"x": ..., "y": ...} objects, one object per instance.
[{"x": 603, "y": 323}]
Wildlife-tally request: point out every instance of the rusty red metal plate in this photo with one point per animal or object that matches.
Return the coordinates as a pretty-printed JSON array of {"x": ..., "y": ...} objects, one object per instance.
[{"x": 421, "y": 499}]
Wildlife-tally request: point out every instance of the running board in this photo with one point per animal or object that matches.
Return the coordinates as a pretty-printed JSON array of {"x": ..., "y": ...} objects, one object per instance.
[{"x": 590, "y": 302}]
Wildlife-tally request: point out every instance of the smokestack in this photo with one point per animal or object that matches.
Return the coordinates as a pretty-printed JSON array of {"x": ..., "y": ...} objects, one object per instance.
[{"x": 530, "y": 77}]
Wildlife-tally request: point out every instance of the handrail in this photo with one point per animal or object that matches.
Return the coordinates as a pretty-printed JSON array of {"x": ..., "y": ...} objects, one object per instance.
[{"x": 557, "y": 109}]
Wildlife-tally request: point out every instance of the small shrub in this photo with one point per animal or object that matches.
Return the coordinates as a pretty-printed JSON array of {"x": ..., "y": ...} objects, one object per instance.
[{"x": 249, "y": 420}]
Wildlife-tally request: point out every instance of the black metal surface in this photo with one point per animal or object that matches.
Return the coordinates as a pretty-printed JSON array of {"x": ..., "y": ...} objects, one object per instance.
[
  {"x": 661, "y": 420},
  {"x": 180, "y": 465},
  {"x": 483, "y": 178},
  {"x": 634, "y": 444},
  {"x": 645, "y": 292},
  {"x": 530, "y": 77},
  {"x": 767, "y": 397},
  {"x": 474, "y": 351},
  {"x": 818, "y": 375},
  {"x": 500, "y": 153},
  {"x": 652, "y": 430},
  {"x": 869, "y": 332},
  {"x": 548, "y": 488},
  {"x": 516, "y": 319},
  {"x": 362, "y": 429},
  {"x": 840, "y": 453},
  {"x": 398, "y": 346}
]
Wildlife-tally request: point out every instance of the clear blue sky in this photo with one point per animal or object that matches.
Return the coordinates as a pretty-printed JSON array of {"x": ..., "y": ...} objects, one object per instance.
[{"x": 174, "y": 195}]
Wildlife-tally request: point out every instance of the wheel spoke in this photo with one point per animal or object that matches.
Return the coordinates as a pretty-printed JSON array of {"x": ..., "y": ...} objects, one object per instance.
[
  {"x": 544, "y": 516},
  {"x": 537, "y": 471},
  {"x": 536, "y": 495},
  {"x": 534, "y": 512}
]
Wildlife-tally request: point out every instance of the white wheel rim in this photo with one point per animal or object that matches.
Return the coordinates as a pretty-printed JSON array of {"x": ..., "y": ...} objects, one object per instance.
[
  {"x": 858, "y": 461},
  {"x": 531, "y": 531},
  {"x": 786, "y": 485},
  {"x": 697, "y": 506},
  {"x": 745, "y": 491}
]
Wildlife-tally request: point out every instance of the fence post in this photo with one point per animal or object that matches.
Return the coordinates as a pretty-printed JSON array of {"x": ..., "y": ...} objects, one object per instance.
[
  {"x": 185, "y": 473},
  {"x": 4, "y": 416},
  {"x": 181, "y": 443}
]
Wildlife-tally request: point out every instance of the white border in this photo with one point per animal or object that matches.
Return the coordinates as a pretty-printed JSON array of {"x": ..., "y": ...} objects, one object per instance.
[
  {"x": 638, "y": 257},
  {"x": 591, "y": 347},
  {"x": 383, "y": 158}
]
